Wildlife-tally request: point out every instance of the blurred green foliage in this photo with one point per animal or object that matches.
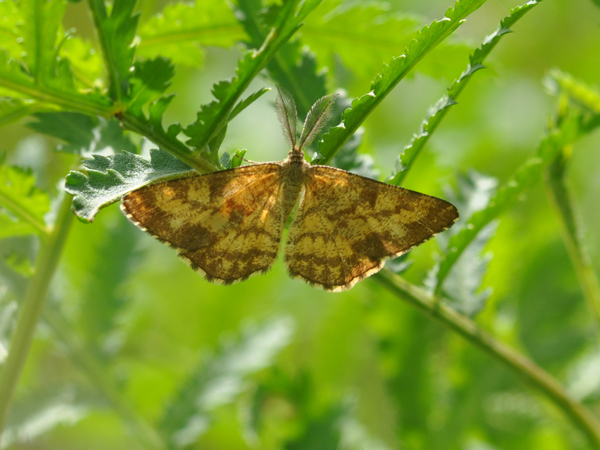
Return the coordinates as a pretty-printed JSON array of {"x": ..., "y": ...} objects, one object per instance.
[{"x": 135, "y": 350}]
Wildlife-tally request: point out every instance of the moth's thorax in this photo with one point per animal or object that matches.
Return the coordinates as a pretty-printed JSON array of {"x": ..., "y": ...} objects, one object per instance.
[
  {"x": 294, "y": 174},
  {"x": 295, "y": 168}
]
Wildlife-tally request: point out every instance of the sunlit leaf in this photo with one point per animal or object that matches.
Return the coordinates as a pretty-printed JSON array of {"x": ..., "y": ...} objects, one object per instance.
[
  {"x": 10, "y": 16},
  {"x": 86, "y": 63},
  {"x": 107, "y": 179}
]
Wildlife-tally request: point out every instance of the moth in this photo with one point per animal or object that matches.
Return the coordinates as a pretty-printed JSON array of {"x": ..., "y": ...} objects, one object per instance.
[{"x": 228, "y": 225}]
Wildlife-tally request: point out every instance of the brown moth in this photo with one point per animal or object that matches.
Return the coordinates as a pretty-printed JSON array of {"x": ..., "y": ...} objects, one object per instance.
[{"x": 228, "y": 225}]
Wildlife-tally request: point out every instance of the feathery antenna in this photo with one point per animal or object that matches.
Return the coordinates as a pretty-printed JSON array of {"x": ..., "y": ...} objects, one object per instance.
[
  {"x": 316, "y": 119},
  {"x": 288, "y": 116}
]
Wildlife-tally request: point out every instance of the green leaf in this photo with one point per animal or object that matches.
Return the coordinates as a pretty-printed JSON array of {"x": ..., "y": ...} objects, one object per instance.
[
  {"x": 213, "y": 117},
  {"x": 15, "y": 254},
  {"x": 82, "y": 134},
  {"x": 243, "y": 104},
  {"x": 427, "y": 39},
  {"x": 13, "y": 109},
  {"x": 99, "y": 310},
  {"x": 181, "y": 30},
  {"x": 238, "y": 158},
  {"x": 582, "y": 94},
  {"x": 41, "y": 32},
  {"x": 11, "y": 73},
  {"x": 293, "y": 67},
  {"x": 8, "y": 317},
  {"x": 9, "y": 227},
  {"x": 462, "y": 289},
  {"x": 156, "y": 111},
  {"x": 149, "y": 80},
  {"x": 22, "y": 205},
  {"x": 222, "y": 378},
  {"x": 38, "y": 66},
  {"x": 231, "y": 162},
  {"x": 108, "y": 179},
  {"x": 18, "y": 84},
  {"x": 116, "y": 33},
  {"x": 321, "y": 432},
  {"x": 438, "y": 111},
  {"x": 86, "y": 63},
  {"x": 39, "y": 414},
  {"x": 528, "y": 174},
  {"x": 362, "y": 34},
  {"x": 10, "y": 17}
]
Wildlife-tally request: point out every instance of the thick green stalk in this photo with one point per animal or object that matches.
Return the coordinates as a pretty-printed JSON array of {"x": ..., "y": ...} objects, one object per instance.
[
  {"x": 32, "y": 307},
  {"x": 581, "y": 417},
  {"x": 563, "y": 203}
]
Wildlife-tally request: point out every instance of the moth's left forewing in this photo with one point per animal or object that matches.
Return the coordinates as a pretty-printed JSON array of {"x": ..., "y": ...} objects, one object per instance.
[
  {"x": 226, "y": 225},
  {"x": 347, "y": 225}
]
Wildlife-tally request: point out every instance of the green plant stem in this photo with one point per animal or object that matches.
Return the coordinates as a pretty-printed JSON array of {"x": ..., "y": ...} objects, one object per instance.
[
  {"x": 173, "y": 146},
  {"x": 32, "y": 307},
  {"x": 65, "y": 100},
  {"x": 562, "y": 200},
  {"x": 581, "y": 417},
  {"x": 94, "y": 370},
  {"x": 257, "y": 35},
  {"x": 80, "y": 104},
  {"x": 98, "y": 13},
  {"x": 283, "y": 30}
]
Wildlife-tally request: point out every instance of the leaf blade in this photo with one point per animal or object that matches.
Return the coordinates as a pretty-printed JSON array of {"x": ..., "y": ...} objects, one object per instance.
[
  {"x": 391, "y": 74},
  {"x": 438, "y": 111}
]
